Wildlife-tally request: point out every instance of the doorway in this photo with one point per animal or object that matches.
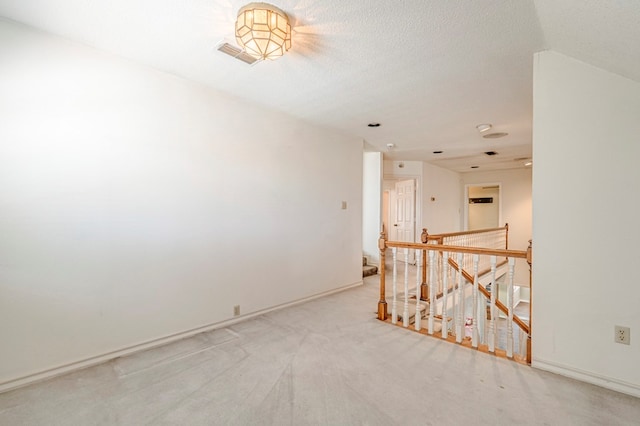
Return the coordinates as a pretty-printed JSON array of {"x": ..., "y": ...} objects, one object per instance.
[
  {"x": 483, "y": 206},
  {"x": 399, "y": 211}
]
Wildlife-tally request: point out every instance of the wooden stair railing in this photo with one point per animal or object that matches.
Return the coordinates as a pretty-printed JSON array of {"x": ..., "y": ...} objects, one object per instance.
[
  {"x": 497, "y": 238},
  {"x": 462, "y": 279}
]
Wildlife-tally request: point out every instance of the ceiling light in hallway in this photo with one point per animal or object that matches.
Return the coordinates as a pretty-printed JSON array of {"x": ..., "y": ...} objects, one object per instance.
[{"x": 263, "y": 31}]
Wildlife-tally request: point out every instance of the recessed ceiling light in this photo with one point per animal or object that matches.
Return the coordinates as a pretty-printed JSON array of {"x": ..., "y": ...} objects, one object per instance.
[
  {"x": 373, "y": 124},
  {"x": 390, "y": 146},
  {"x": 438, "y": 152},
  {"x": 528, "y": 163},
  {"x": 483, "y": 127},
  {"x": 491, "y": 153},
  {"x": 495, "y": 135},
  {"x": 474, "y": 167}
]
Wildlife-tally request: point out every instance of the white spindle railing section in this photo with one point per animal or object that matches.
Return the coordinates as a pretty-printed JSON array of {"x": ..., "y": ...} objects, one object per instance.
[
  {"x": 460, "y": 305},
  {"x": 445, "y": 281},
  {"x": 432, "y": 293},
  {"x": 405, "y": 312},
  {"x": 394, "y": 303},
  {"x": 493, "y": 324},
  {"x": 474, "y": 323},
  {"x": 510, "y": 307},
  {"x": 472, "y": 308},
  {"x": 492, "y": 238}
]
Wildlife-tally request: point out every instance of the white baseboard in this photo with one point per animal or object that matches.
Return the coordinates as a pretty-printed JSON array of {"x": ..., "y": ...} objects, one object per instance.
[
  {"x": 99, "y": 359},
  {"x": 588, "y": 377}
]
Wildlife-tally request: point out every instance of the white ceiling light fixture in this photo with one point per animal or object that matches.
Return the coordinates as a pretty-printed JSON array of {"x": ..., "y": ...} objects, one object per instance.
[
  {"x": 263, "y": 31},
  {"x": 483, "y": 127}
]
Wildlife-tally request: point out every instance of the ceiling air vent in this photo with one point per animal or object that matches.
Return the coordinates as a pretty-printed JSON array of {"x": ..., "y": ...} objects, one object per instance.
[
  {"x": 236, "y": 52},
  {"x": 495, "y": 135}
]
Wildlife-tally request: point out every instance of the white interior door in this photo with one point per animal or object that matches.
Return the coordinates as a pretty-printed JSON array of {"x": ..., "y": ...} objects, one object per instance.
[{"x": 405, "y": 218}]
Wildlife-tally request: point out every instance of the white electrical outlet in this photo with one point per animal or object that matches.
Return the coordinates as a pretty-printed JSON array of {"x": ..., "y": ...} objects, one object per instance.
[
  {"x": 622, "y": 335},
  {"x": 236, "y": 310}
]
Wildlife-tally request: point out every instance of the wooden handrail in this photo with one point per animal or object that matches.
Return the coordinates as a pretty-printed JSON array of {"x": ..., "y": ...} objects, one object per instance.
[
  {"x": 459, "y": 249},
  {"x": 457, "y": 234}
]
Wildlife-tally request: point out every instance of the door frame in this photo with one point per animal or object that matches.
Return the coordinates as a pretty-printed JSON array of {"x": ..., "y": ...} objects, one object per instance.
[
  {"x": 392, "y": 179},
  {"x": 466, "y": 202}
]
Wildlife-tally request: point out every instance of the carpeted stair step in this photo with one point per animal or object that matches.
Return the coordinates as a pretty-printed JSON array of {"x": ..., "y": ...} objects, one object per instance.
[{"x": 368, "y": 270}]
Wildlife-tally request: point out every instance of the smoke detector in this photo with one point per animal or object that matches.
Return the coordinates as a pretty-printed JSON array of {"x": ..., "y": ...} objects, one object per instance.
[{"x": 483, "y": 127}]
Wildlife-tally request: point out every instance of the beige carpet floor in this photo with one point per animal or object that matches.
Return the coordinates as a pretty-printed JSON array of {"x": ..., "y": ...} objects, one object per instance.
[{"x": 325, "y": 362}]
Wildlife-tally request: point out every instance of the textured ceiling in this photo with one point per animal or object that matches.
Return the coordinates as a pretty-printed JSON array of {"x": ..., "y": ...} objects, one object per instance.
[{"x": 429, "y": 71}]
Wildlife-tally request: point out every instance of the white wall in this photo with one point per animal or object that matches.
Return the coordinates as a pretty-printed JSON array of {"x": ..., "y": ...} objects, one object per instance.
[
  {"x": 441, "y": 200},
  {"x": 438, "y": 194},
  {"x": 585, "y": 226},
  {"x": 402, "y": 169},
  {"x": 371, "y": 205},
  {"x": 135, "y": 205}
]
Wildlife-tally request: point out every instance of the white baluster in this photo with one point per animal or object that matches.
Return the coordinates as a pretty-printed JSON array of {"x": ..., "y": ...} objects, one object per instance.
[
  {"x": 445, "y": 286},
  {"x": 394, "y": 305},
  {"x": 492, "y": 307},
  {"x": 460, "y": 312},
  {"x": 439, "y": 274},
  {"x": 432, "y": 290},
  {"x": 405, "y": 313},
  {"x": 418, "y": 282},
  {"x": 454, "y": 306},
  {"x": 474, "y": 326},
  {"x": 512, "y": 262},
  {"x": 522, "y": 339}
]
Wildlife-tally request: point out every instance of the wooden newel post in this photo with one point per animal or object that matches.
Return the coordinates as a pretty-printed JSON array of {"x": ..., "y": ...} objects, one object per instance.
[
  {"x": 382, "y": 304},
  {"x": 506, "y": 236},
  {"x": 424, "y": 288},
  {"x": 424, "y": 237},
  {"x": 530, "y": 261}
]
